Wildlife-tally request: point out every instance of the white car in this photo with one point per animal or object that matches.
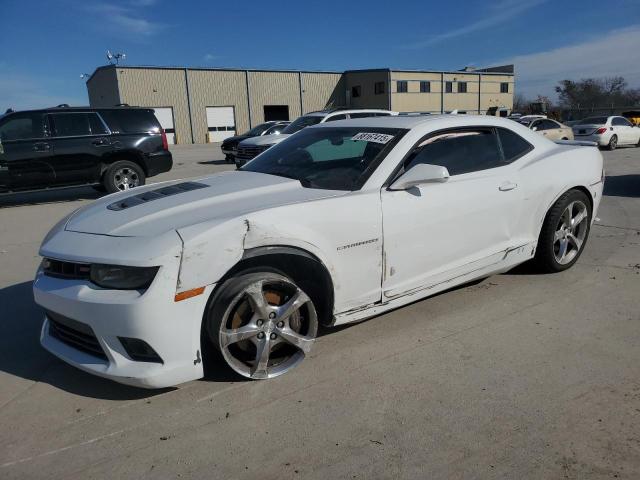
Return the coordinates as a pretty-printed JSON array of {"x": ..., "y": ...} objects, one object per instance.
[
  {"x": 340, "y": 222},
  {"x": 252, "y": 147},
  {"x": 609, "y": 132}
]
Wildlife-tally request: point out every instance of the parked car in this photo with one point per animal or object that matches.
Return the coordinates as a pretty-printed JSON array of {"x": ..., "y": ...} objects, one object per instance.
[
  {"x": 550, "y": 128},
  {"x": 249, "y": 149},
  {"x": 230, "y": 145},
  {"x": 338, "y": 223},
  {"x": 113, "y": 148},
  {"x": 607, "y": 132}
]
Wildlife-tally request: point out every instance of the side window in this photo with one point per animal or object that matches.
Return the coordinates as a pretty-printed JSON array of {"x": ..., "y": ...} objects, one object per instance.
[
  {"x": 96, "y": 125},
  {"x": 401, "y": 86},
  {"x": 336, "y": 117},
  {"x": 70, "y": 124},
  {"x": 462, "y": 151},
  {"x": 362, "y": 115},
  {"x": 22, "y": 126},
  {"x": 620, "y": 122},
  {"x": 547, "y": 125},
  {"x": 513, "y": 145}
]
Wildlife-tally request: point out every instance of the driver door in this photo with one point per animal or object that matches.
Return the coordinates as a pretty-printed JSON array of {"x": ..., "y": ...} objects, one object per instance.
[{"x": 438, "y": 231}]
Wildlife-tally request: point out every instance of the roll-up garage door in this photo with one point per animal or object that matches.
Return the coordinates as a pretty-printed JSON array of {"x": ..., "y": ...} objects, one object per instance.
[
  {"x": 165, "y": 117},
  {"x": 221, "y": 123}
]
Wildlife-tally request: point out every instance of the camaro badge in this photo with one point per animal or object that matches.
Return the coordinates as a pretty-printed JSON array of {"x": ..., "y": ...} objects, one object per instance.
[{"x": 357, "y": 244}]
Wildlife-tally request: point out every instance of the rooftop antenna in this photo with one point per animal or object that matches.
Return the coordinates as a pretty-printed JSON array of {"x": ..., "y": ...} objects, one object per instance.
[{"x": 115, "y": 56}]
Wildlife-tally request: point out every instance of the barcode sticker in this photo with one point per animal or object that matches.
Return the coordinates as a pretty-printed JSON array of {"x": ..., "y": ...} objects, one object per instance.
[{"x": 372, "y": 137}]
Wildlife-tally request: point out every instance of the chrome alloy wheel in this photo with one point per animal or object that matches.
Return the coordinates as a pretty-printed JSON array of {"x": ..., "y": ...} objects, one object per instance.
[
  {"x": 570, "y": 232},
  {"x": 268, "y": 329},
  {"x": 125, "y": 178}
]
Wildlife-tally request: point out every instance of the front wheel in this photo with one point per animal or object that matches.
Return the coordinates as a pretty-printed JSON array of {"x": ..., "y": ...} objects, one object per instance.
[
  {"x": 564, "y": 233},
  {"x": 122, "y": 175},
  {"x": 262, "y": 323}
]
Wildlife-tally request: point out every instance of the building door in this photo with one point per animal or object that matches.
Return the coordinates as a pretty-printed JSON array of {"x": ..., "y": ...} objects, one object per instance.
[
  {"x": 165, "y": 117},
  {"x": 276, "y": 112},
  {"x": 221, "y": 123}
]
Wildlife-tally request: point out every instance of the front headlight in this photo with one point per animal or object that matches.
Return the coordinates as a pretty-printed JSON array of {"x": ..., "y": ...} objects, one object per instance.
[{"x": 119, "y": 277}]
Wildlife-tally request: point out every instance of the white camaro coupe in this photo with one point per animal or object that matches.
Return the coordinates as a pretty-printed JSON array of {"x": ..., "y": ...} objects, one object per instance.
[{"x": 340, "y": 222}]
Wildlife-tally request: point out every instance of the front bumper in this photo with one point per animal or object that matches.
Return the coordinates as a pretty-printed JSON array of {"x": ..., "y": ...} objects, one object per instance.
[{"x": 171, "y": 328}]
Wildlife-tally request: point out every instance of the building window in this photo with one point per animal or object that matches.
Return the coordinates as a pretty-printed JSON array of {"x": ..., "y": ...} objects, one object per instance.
[
  {"x": 355, "y": 91},
  {"x": 504, "y": 87},
  {"x": 401, "y": 86},
  {"x": 448, "y": 87},
  {"x": 425, "y": 87},
  {"x": 378, "y": 88},
  {"x": 462, "y": 87}
]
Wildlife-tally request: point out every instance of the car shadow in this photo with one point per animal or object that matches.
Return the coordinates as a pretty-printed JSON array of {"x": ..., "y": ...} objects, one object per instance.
[
  {"x": 622, "y": 186},
  {"x": 49, "y": 196},
  {"x": 215, "y": 162},
  {"x": 22, "y": 356}
]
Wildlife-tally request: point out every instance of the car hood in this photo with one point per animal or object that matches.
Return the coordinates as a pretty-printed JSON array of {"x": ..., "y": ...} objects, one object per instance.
[
  {"x": 161, "y": 207},
  {"x": 264, "y": 140},
  {"x": 235, "y": 139}
]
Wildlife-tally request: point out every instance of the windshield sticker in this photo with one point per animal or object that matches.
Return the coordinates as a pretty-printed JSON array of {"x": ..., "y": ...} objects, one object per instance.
[{"x": 372, "y": 137}]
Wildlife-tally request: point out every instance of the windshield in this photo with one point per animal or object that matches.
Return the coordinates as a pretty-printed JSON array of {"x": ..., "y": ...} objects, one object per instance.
[
  {"x": 593, "y": 121},
  {"x": 526, "y": 121},
  {"x": 255, "y": 131},
  {"x": 302, "y": 122},
  {"x": 328, "y": 158}
]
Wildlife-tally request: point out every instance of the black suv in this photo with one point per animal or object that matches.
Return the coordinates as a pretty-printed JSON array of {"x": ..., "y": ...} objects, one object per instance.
[{"x": 110, "y": 148}]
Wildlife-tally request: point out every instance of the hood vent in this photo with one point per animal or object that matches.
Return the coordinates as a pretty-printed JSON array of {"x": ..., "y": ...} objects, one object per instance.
[{"x": 151, "y": 195}]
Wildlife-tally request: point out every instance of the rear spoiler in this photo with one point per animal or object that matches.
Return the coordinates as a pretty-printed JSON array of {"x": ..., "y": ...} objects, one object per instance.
[{"x": 581, "y": 143}]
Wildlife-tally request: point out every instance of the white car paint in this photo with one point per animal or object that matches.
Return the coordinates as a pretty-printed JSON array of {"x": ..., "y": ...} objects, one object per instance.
[
  {"x": 625, "y": 132},
  {"x": 408, "y": 244}
]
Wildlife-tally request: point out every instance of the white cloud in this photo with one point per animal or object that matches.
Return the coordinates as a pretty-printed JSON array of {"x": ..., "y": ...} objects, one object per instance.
[
  {"x": 125, "y": 19},
  {"x": 20, "y": 91},
  {"x": 210, "y": 57},
  {"x": 614, "y": 53},
  {"x": 496, "y": 14}
]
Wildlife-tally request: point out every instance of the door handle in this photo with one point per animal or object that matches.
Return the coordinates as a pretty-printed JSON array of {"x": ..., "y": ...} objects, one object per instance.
[
  {"x": 506, "y": 186},
  {"x": 99, "y": 142},
  {"x": 41, "y": 147}
]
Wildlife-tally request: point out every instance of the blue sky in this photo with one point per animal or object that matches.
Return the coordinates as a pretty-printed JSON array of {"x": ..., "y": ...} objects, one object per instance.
[{"x": 48, "y": 44}]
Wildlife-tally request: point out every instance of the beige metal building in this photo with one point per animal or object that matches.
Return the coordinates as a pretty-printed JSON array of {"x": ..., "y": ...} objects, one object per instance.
[{"x": 199, "y": 105}]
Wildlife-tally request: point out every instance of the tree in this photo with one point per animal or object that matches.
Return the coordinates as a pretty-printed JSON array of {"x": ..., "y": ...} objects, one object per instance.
[{"x": 596, "y": 92}]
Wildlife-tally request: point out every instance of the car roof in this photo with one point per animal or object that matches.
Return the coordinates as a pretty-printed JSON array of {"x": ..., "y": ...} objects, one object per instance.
[
  {"x": 409, "y": 122},
  {"x": 78, "y": 109}
]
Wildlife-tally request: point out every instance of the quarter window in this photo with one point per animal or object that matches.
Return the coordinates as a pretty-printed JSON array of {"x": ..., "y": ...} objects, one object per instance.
[
  {"x": 425, "y": 87},
  {"x": 462, "y": 87},
  {"x": 513, "y": 145},
  {"x": 460, "y": 151},
  {"x": 379, "y": 88},
  {"x": 401, "y": 86},
  {"x": 22, "y": 126},
  {"x": 504, "y": 87},
  {"x": 448, "y": 87}
]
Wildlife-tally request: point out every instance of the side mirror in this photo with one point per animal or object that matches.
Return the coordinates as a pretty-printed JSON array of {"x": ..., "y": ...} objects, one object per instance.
[{"x": 419, "y": 174}]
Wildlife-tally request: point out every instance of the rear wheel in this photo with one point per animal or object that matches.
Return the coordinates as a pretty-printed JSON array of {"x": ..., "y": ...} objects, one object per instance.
[
  {"x": 123, "y": 175},
  {"x": 262, "y": 323},
  {"x": 613, "y": 143},
  {"x": 564, "y": 233}
]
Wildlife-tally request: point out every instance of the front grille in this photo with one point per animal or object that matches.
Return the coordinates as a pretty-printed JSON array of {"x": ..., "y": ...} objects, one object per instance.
[
  {"x": 247, "y": 153},
  {"x": 66, "y": 270},
  {"x": 75, "y": 334}
]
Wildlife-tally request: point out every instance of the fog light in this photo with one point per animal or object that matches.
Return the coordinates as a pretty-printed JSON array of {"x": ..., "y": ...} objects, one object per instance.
[{"x": 139, "y": 350}]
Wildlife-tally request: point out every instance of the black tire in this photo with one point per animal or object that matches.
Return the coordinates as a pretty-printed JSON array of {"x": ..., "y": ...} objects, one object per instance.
[
  {"x": 545, "y": 257},
  {"x": 224, "y": 303},
  {"x": 113, "y": 181},
  {"x": 229, "y": 159},
  {"x": 99, "y": 188},
  {"x": 613, "y": 142}
]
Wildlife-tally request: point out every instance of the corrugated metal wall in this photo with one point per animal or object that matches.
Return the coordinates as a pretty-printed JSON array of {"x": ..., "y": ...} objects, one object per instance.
[
  {"x": 366, "y": 81},
  {"x": 320, "y": 90},
  {"x": 148, "y": 87},
  {"x": 217, "y": 89},
  {"x": 102, "y": 88},
  {"x": 273, "y": 88}
]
